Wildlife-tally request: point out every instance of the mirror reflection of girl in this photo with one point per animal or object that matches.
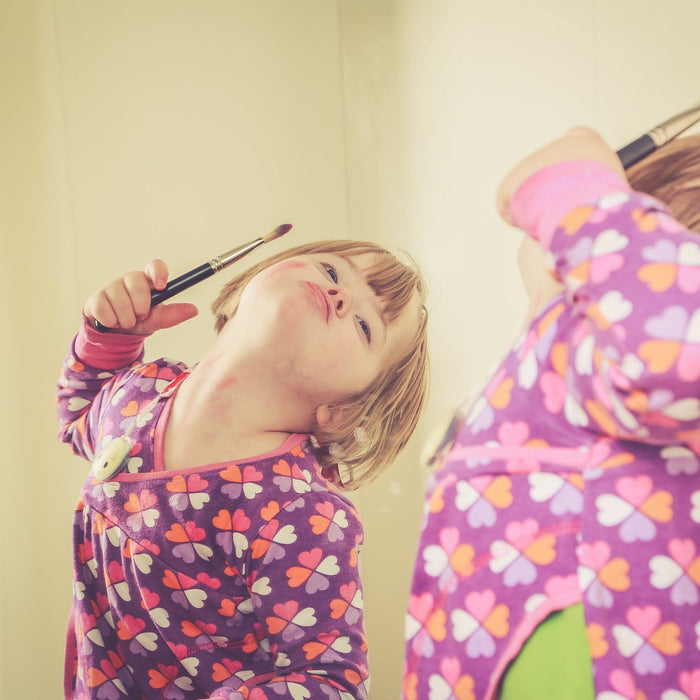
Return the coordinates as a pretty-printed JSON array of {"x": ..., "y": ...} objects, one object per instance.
[
  {"x": 222, "y": 561},
  {"x": 559, "y": 555}
]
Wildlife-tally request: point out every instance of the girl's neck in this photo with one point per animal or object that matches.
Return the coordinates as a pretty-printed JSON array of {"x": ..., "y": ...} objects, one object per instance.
[{"x": 224, "y": 412}]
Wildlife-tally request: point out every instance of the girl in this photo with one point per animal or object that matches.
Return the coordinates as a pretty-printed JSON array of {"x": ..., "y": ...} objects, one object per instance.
[
  {"x": 215, "y": 554},
  {"x": 558, "y": 556}
]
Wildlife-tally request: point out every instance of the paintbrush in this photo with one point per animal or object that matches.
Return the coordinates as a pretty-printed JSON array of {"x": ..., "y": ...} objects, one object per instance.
[
  {"x": 660, "y": 135},
  {"x": 207, "y": 269}
]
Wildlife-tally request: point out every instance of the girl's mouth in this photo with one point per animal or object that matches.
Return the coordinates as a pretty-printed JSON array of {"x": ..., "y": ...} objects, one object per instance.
[{"x": 321, "y": 299}]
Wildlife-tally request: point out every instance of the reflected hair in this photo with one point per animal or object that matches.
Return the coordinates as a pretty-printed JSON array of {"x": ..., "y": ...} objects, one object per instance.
[
  {"x": 672, "y": 174},
  {"x": 371, "y": 427}
]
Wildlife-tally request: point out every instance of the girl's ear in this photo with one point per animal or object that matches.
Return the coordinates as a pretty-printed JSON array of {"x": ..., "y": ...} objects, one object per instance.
[{"x": 324, "y": 417}]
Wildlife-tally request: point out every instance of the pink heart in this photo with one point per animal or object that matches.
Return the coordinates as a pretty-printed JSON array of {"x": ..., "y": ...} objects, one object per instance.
[
  {"x": 683, "y": 551},
  {"x": 326, "y": 509},
  {"x": 595, "y": 555},
  {"x": 644, "y": 620},
  {"x": 450, "y": 669},
  {"x": 636, "y": 490},
  {"x": 514, "y": 433},
  {"x": 420, "y": 606},
  {"x": 623, "y": 683},
  {"x": 561, "y": 585},
  {"x": 196, "y": 483},
  {"x": 286, "y": 610},
  {"x": 690, "y": 683},
  {"x": 480, "y": 604},
  {"x": 521, "y": 535},
  {"x": 449, "y": 539},
  {"x": 554, "y": 390},
  {"x": 311, "y": 559}
]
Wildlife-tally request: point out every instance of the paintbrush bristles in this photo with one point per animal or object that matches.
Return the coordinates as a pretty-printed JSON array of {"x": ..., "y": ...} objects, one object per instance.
[{"x": 279, "y": 231}]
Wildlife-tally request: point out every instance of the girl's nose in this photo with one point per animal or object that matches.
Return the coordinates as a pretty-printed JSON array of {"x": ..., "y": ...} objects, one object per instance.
[{"x": 341, "y": 300}]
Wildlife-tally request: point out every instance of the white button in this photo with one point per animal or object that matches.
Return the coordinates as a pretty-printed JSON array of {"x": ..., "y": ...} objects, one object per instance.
[{"x": 112, "y": 458}]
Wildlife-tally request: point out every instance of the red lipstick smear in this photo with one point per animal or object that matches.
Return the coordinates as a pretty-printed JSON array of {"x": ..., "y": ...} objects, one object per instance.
[{"x": 321, "y": 299}]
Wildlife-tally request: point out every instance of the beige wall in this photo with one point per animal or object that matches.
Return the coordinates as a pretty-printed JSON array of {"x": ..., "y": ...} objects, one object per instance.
[{"x": 132, "y": 129}]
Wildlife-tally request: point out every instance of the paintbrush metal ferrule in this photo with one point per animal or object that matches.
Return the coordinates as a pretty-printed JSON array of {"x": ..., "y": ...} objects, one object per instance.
[
  {"x": 225, "y": 259},
  {"x": 660, "y": 135},
  {"x": 676, "y": 125}
]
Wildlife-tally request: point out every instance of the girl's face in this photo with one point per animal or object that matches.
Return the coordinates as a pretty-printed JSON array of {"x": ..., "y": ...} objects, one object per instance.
[{"x": 320, "y": 325}]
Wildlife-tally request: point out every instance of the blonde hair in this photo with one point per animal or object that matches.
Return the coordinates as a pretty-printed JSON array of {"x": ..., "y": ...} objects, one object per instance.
[
  {"x": 672, "y": 174},
  {"x": 369, "y": 428}
]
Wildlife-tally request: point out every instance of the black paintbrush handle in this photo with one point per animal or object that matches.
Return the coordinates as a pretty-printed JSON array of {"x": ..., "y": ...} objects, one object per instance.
[
  {"x": 179, "y": 284},
  {"x": 634, "y": 151}
]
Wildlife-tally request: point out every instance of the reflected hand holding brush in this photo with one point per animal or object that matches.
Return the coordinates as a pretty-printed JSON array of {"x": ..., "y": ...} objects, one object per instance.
[{"x": 207, "y": 269}]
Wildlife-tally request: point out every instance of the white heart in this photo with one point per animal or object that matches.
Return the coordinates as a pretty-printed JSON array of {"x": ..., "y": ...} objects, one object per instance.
[
  {"x": 689, "y": 254},
  {"x": 609, "y": 241},
  {"x": 435, "y": 560},
  {"x": 614, "y": 307},
  {"x": 628, "y": 641},
  {"x": 76, "y": 404},
  {"x": 664, "y": 571},
  {"x": 463, "y": 625},
  {"x": 612, "y": 510},
  {"x": 543, "y": 486}
]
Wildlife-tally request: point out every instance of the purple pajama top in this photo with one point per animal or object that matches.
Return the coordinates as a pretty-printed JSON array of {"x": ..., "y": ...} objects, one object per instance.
[
  {"x": 575, "y": 476},
  {"x": 235, "y": 581}
]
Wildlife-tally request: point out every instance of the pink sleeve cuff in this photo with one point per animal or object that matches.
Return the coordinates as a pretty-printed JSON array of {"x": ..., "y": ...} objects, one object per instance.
[
  {"x": 107, "y": 350},
  {"x": 542, "y": 201}
]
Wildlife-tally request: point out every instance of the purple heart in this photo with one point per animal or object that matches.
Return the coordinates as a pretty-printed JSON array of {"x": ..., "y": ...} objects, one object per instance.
[
  {"x": 648, "y": 660},
  {"x": 480, "y": 644},
  {"x": 670, "y": 325},
  {"x": 684, "y": 592},
  {"x": 637, "y": 528},
  {"x": 522, "y": 570},
  {"x": 482, "y": 513}
]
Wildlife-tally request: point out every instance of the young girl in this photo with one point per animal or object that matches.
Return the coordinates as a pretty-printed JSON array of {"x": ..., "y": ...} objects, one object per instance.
[
  {"x": 219, "y": 558},
  {"x": 559, "y": 550}
]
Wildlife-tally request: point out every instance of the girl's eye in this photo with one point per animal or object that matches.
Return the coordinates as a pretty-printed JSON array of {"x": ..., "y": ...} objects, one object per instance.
[
  {"x": 364, "y": 326},
  {"x": 331, "y": 272}
]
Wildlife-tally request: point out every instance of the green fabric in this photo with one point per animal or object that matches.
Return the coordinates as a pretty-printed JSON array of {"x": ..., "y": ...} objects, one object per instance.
[{"x": 555, "y": 663}]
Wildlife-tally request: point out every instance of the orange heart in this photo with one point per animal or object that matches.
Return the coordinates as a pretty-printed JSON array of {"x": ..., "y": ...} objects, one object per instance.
[
  {"x": 558, "y": 356},
  {"x": 150, "y": 370},
  {"x": 222, "y": 521},
  {"x": 436, "y": 625},
  {"x": 131, "y": 409},
  {"x": 694, "y": 571},
  {"x": 665, "y": 638},
  {"x": 177, "y": 533},
  {"x": 542, "y": 550},
  {"x": 297, "y": 575},
  {"x": 601, "y": 417},
  {"x": 319, "y": 524},
  {"x": 177, "y": 484},
  {"x": 338, "y": 608},
  {"x": 228, "y": 608},
  {"x": 462, "y": 560},
  {"x": 270, "y": 510},
  {"x": 614, "y": 575},
  {"x": 646, "y": 221},
  {"x": 275, "y": 624},
  {"x": 259, "y": 548},
  {"x": 220, "y": 674},
  {"x": 659, "y": 354},
  {"x": 313, "y": 649},
  {"x": 576, "y": 218},
  {"x": 95, "y": 677},
  {"x": 497, "y": 621},
  {"x": 658, "y": 507},
  {"x": 498, "y": 492},
  {"x": 596, "y": 640},
  {"x": 501, "y": 397},
  {"x": 658, "y": 276}
]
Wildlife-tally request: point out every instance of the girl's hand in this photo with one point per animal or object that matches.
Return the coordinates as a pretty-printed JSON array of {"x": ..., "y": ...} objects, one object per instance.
[
  {"x": 579, "y": 143},
  {"x": 125, "y": 303}
]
